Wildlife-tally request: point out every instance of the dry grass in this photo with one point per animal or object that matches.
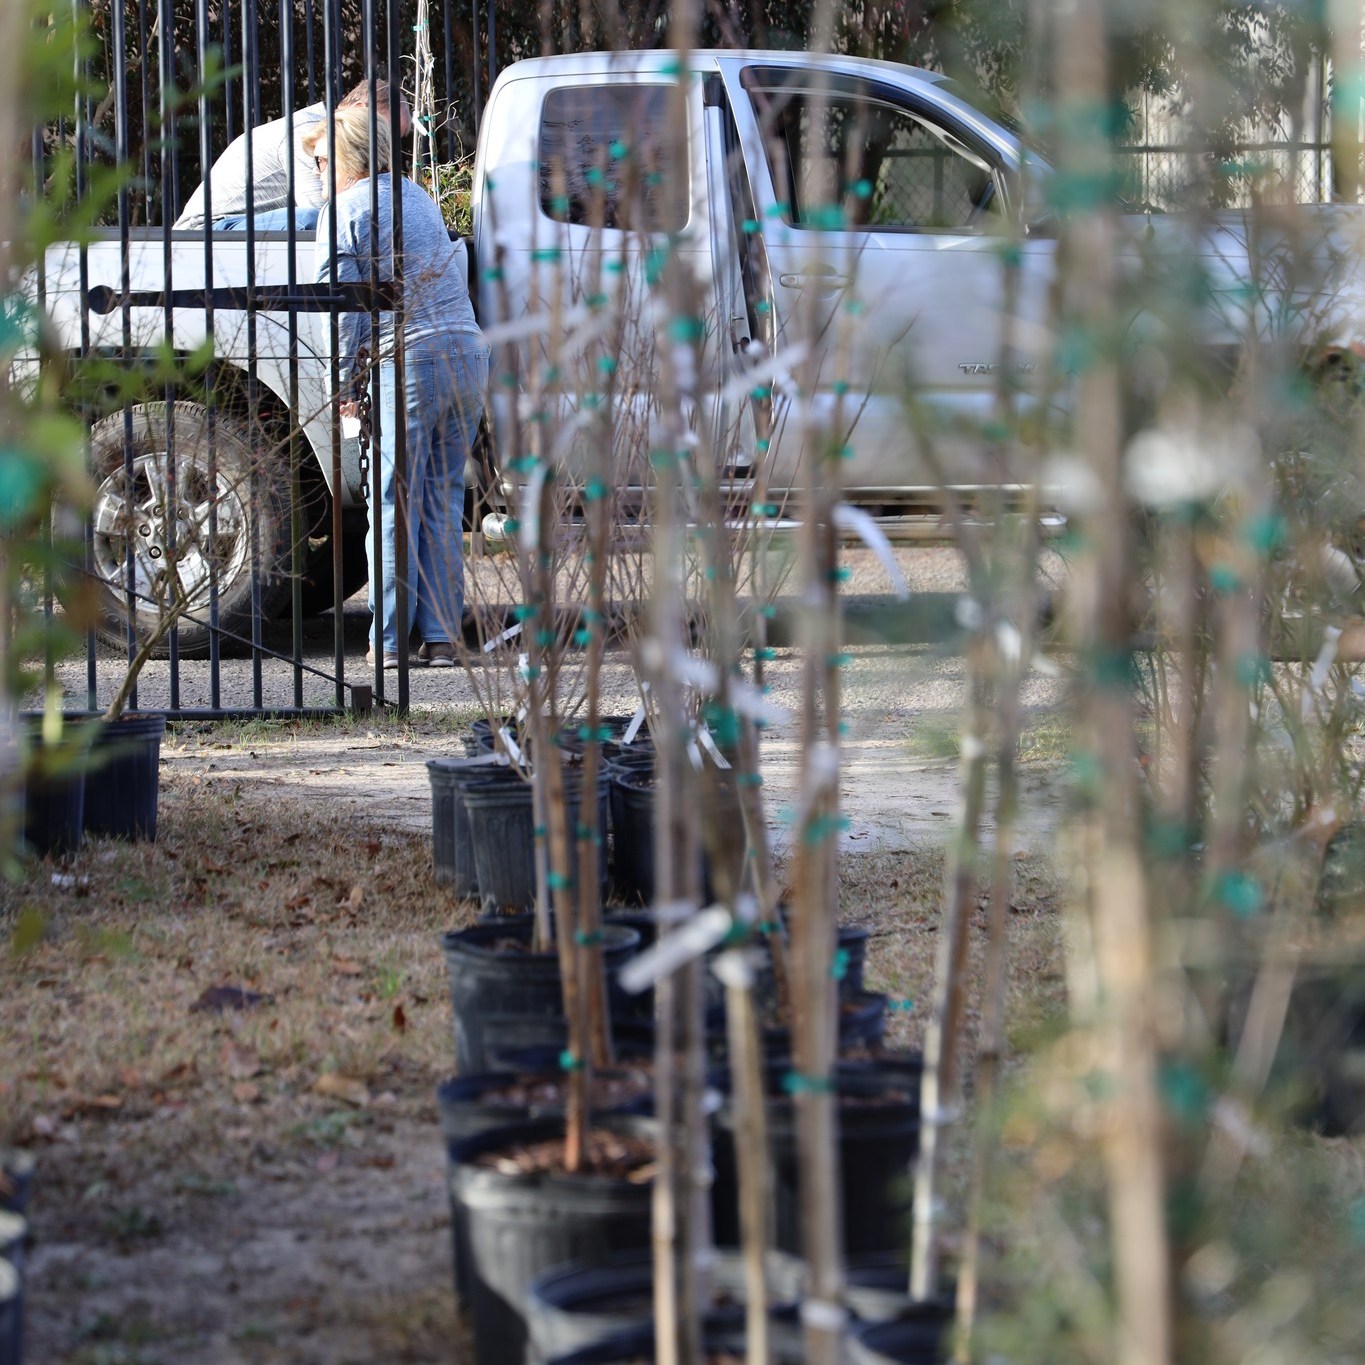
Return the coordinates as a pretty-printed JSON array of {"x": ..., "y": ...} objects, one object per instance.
[{"x": 236, "y": 1158}]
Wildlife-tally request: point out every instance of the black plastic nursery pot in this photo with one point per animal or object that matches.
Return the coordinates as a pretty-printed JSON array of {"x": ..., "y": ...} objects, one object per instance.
[
  {"x": 500, "y": 990},
  {"x": 574, "y": 1306},
  {"x": 519, "y": 1224},
  {"x": 470, "y": 1105},
  {"x": 862, "y": 1021},
  {"x": 11, "y": 1329},
  {"x": 878, "y": 1118},
  {"x": 918, "y": 1337},
  {"x": 16, "y": 1180},
  {"x": 452, "y": 843},
  {"x": 123, "y": 781},
  {"x": 502, "y": 828},
  {"x": 720, "y": 1338},
  {"x": 54, "y": 794},
  {"x": 13, "y": 1232}
]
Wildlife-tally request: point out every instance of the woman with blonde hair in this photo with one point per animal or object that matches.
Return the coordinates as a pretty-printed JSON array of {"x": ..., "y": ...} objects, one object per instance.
[{"x": 446, "y": 376}]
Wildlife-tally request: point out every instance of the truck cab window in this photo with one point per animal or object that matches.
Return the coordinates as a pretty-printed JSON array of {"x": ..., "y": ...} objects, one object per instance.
[
  {"x": 890, "y": 167},
  {"x": 604, "y": 159}
]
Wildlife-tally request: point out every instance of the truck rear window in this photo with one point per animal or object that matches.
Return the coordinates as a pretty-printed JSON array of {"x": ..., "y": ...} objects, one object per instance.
[{"x": 605, "y": 161}]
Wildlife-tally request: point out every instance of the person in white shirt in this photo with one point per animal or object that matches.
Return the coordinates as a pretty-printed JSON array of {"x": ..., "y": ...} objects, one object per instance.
[{"x": 269, "y": 203}]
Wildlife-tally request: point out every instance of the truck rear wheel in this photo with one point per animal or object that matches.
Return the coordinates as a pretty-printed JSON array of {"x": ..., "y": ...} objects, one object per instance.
[{"x": 184, "y": 535}]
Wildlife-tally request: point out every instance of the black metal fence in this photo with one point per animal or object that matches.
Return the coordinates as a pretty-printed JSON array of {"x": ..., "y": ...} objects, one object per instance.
[{"x": 230, "y": 507}]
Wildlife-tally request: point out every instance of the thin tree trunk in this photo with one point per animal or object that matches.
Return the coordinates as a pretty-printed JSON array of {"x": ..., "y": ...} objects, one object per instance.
[
  {"x": 939, "y": 1097},
  {"x": 1132, "y": 1132}
]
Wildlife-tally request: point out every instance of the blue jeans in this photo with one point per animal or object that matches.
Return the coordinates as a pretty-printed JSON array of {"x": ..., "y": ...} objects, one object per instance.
[
  {"x": 446, "y": 382},
  {"x": 273, "y": 220}
]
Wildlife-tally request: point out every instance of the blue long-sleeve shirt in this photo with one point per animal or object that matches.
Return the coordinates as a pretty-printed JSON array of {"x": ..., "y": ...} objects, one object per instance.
[{"x": 435, "y": 270}]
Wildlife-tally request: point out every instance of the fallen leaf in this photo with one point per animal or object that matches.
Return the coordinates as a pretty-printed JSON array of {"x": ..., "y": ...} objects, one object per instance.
[
  {"x": 381, "y": 1161},
  {"x": 400, "y": 1018},
  {"x": 346, "y": 966},
  {"x": 244, "y": 1092},
  {"x": 299, "y": 901},
  {"x": 357, "y": 897},
  {"x": 372, "y": 847},
  {"x": 337, "y": 1086},
  {"x": 327, "y": 1161},
  {"x": 242, "y": 1063},
  {"x": 129, "y": 1078},
  {"x": 220, "y": 999}
]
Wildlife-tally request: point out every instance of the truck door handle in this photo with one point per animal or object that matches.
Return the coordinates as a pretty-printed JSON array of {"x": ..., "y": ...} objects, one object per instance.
[{"x": 823, "y": 278}]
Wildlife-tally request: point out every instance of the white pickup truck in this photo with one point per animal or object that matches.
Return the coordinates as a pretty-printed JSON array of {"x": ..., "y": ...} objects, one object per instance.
[{"x": 933, "y": 196}]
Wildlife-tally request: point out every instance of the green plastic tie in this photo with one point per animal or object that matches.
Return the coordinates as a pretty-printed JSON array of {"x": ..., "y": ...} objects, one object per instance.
[
  {"x": 551, "y": 375},
  {"x": 600, "y": 735},
  {"x": 840, "y": 387},
  {"x": 607, "y": 364},
  {"x": 838, "y": 968},
  {"x": 541, "y": 832},
  {"x": 582, "y": 637},
  {"x": 568, "y": 1062},
  {"x": 1241, "y": 893},
  {"x": 558, "y": 881},
  {"x": 764, "y": 654},
  {"x": 548, "y": 253},
  {"x": 508, "y": 380},
  {"x": 595, "y": 490},
  {"x": 768, "y": 611},
  {"x": 1251, "y": 669},
  {"x": 764, "y": 445},
  {"x": 796, "y": 1083},
  {"x": 686, "y": 329},
  {"x": 822, "y": 828},
  {"x": 618, "y": 149},
  {"x": 493, "y": 274},
  {"x": 900, "y": 1006},
  {"x": 750, "y": 226},
  {"x": 1223, "y": 578},
  {"x": 840, "y": 574},
  {"x": 762, "y": 393},
  {"x": 545, "y": 638},
  {"x": 522, "y": 464},
  {"x": 524, "y": 611},
  {"x": 765, "y": 509},
  {"x": 749, "y": 779},
  {"x": 767, "y": 927},
  {"x": 839, "y": 660},
  {"x": 587, "y": 939}
]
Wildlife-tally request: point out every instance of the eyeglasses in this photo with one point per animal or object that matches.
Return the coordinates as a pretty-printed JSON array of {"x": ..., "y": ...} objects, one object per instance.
[{"x": 319, "y": 162}]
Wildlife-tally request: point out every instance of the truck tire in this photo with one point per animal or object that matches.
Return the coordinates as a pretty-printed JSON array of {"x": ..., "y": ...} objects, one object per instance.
[{"x": 130, "y": 510}]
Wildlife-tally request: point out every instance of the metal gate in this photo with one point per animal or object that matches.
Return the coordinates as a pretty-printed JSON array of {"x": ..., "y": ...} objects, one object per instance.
[{"x": 230, "y": 504}]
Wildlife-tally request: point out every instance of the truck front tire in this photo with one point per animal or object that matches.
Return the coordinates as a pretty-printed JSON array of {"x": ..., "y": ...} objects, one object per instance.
[{"x": 186, "y": 533}]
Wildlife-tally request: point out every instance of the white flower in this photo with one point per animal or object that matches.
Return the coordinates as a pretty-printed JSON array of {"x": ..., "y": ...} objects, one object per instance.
[{"x": 1173, "y": 467}]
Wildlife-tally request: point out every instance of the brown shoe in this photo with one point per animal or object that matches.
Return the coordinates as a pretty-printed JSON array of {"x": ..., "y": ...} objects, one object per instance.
[
  {"x": 437, "y": 654},
  {"x": 390, "y": 662}
]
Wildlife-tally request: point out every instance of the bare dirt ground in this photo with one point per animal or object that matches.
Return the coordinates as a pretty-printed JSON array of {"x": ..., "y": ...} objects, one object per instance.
[{"x": 266, "y": 1184}]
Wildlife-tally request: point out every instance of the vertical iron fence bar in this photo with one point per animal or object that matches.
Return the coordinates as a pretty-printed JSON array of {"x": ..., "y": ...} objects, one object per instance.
[
  {"x": 228, "y": 95},
  {"x": 210, "y": 397},
  {"x": 372, "y": 379},
  {"x": 79, "y": 8},
  {"x": 250, "y": 108},
  {"x": 296, "y": 528},
  {"x": 331, "y": 65},
  {"x": 122, "y": 151},
  {"x": 402, "y": 606},
  {"x": 308, "y": 49},
  {"x": 451, "y": 140},
  {"x": 144, "y": 73},
  {"x": 492, "y": 43},
  {"x": 474, "y": 63},
  {"x": 170, "y": 508}
]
